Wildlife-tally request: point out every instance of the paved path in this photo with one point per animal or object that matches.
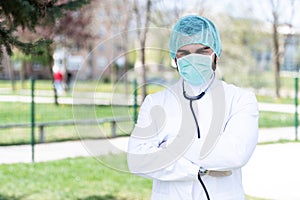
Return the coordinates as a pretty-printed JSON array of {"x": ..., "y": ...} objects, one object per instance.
[
  {"x": 60, "y": 150},
  {"x": 93, "y": 98},
  {"x": 276, "y": 134},
  {"x": 285, "y": 108},
  {"x": 273, "y": 172}
]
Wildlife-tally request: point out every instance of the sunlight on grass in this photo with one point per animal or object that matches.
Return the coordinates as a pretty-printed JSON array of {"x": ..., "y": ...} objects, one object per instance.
[{"x": 80, "y": 178}]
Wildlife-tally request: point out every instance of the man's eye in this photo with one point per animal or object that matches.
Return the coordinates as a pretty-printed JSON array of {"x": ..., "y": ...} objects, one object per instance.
[{"x": 182, "y": 54}]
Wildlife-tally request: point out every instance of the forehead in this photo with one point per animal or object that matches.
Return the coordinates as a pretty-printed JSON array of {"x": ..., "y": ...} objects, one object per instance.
[{"x": 192, "y": 47}]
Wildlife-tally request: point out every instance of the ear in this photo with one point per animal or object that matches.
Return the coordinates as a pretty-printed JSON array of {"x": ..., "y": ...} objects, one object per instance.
[
  {"x": 214, "y": 65},
  {"x": 175, "y": 60},
  {"x": 216, "y": 59}
]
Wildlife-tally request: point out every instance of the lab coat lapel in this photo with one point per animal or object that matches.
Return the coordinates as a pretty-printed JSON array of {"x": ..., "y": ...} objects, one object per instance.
[
  {"x": 218, "y": 118},
  {"x": 216, "y": 91}
]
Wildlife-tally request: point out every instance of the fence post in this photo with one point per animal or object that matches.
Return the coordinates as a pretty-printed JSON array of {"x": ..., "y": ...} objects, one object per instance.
[
  {"x": 296, "y": 107},
  {"x": 114, "y": 128},
  {"x": 42, "y": 135},
  {"x": 32, "y": 118},
  {"x": 135, "y": 106}
]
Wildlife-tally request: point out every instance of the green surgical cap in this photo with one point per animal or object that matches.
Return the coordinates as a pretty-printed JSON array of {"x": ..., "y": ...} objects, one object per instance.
[{"x": 193, "y": 29}]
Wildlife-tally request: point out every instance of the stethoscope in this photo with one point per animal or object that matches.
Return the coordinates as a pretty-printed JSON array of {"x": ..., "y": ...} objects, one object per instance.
[{"x": 194, "y": 98}]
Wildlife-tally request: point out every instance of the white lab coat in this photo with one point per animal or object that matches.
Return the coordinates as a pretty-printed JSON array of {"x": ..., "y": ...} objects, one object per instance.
[{"x": 231, "y": 150}]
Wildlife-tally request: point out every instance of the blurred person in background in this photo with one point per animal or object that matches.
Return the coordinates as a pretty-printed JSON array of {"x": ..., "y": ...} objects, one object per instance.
[{"x": 58, "y": 81}]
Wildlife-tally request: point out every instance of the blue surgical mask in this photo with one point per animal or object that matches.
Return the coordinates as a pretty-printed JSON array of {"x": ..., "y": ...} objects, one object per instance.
[{"x": 196, "y": 69}]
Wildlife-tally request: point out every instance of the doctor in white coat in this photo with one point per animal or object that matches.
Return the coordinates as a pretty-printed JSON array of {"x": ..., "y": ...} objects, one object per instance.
[{"x": 194, "y": 137}]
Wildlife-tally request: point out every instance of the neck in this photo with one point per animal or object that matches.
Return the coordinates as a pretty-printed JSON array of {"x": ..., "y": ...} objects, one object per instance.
[{"x": 197, "y": 89}]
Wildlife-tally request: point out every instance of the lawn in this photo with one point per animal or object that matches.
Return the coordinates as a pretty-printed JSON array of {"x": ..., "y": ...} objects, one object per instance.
[
  {"x": 275, "y": 119},
  {"x": 20, "y": 112},
  {"x": 79, "y": 86},
  {"x": 15, "y": 113},
  {"x": 12, "y": 113},
  {"x": 74, "y": 179},
  {"x": 96, "y": 86}
]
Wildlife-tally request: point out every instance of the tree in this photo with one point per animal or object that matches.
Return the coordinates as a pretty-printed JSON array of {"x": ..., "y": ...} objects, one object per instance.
[
  {"x": 275, "y": 25},
  {"x": 240, "y": 49},
  {"x": 28, "y": 14},
  {"x": 34, "y": 16},
  {"x": 166, "y": 13},
  {"x": 142, "y": 22},
  {"x": 116, "y": 18},
  {"x": 162, "y": 14},
  {"x": 278, "y": 13},
  {"x": 75, "y": 33}
]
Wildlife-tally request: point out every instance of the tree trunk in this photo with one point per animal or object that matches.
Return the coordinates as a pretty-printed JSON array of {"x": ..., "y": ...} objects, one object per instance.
[
  {"x": 51, "y": 62},
  {"x": 22, "y": 74},
  {"x": 7, "y": 65},
  {"x": 143, "y": 45},
  {"x": 144, "y": 77},
  {"x": 276, "y": 55},
  {"x": 125, "y": 39}
]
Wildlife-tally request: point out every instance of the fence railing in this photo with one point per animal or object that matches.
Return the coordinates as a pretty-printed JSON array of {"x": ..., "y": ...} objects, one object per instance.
[{"x": 41, "y": 125}]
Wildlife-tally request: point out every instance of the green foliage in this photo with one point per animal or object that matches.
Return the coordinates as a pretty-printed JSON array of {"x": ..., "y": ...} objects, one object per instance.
[
  {"x": 28, "y": 14},
  {"x": 241, "y": 39},
  {"x": 38, "y": 54},
  {"x": 20, "y": 56}
]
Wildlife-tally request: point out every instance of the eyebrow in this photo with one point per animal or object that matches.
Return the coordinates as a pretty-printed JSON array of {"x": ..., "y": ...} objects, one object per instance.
[
  {"x": 183, "y": 51},
  {"x": 197, "y": 51},
  {"x": 202, "y": 49}
]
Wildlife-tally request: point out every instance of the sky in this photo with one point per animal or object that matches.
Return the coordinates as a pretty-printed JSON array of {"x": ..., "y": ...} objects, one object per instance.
[{"x": 260, "y": 9}]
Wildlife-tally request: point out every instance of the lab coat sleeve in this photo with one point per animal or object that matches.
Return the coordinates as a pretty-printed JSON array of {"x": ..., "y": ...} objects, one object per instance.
[
  {"x": 239, "y": 138},
  {"x": 180, "y": 169}
]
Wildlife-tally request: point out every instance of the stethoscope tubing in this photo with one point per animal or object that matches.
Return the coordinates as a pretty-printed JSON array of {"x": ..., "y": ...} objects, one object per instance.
[{"x": 191, "y": 99}]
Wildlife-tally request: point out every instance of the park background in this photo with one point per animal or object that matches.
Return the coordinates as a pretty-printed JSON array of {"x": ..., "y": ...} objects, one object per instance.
[{"x": 117, "y": 52}]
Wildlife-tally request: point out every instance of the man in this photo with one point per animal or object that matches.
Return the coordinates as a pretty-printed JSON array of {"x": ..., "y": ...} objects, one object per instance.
[{"x": 193, "y": 138}]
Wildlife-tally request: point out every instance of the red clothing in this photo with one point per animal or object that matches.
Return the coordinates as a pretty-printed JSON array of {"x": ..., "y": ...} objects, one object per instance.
[{"x": 58, "y": 76}]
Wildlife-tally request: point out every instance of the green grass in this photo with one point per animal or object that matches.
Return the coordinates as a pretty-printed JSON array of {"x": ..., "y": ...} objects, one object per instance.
[
  {"x": 13, "y": 113},
  {"x": 259, "y": 80},
  {"x": 20, "y": 112},
  {"x": 281, "y": 100},
  {"x": 274, "y": 119},
  {"x": 74, "y": 179},
  {"x": 79, "y": 86},
  {"x": 280, "y": 141},
  {"x": 39, "y": 84},
  {"x": 96, "y": 86}
]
